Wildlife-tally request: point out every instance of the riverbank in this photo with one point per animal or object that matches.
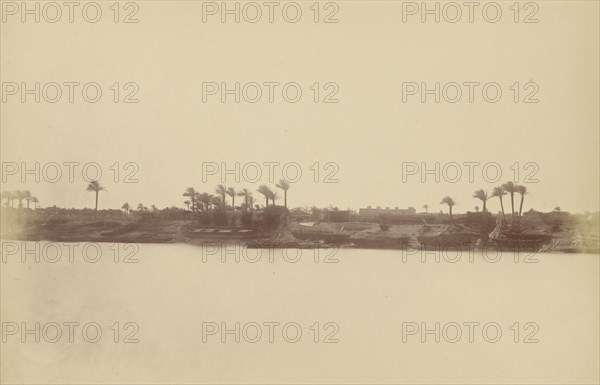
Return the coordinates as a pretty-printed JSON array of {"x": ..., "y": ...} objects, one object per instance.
[{"x": 363, "y": 235}]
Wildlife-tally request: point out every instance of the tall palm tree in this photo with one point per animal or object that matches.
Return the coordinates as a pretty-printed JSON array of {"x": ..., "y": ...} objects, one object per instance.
[
  {"x": 192, "y": 194},
  {"x": 187, "y": 204},
  {"x": 125, "y": 207},
  {"x": 246, "y": 194},
  {"x": 522, "y": 190},
  {"x": 285, "y": 186},
  {"x": 27, "y": 196},
  {"x": 266, "y": 192},
  {"x": 450, "y": 202},
  {"x": 221, "y": 190},
  {"x": 511, "y": 188},
  {"x": 95, "y": 187},
  {"x": 231, "y": 192},
  {"x": 481, "y": 195},
  {"x": 426, "y": 207},
  {"x": 35, "y": 202},
  {"x": 499, "y": 192}
]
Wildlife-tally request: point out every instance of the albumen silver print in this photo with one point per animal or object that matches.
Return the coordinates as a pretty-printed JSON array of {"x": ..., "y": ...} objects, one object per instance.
[{"x": 299, "y": 192}]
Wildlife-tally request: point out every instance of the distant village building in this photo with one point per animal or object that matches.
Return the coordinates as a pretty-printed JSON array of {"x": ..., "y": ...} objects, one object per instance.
[{"x": 371, "y": 212}]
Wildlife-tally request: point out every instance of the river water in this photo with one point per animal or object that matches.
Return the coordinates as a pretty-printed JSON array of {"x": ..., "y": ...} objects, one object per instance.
[{"x": 172, "y": 313}]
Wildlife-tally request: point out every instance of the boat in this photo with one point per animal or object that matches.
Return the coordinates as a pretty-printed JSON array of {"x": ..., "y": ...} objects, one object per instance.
[
  {"x": 512, "y": 237},
  {"x": 223, "y": 232}
]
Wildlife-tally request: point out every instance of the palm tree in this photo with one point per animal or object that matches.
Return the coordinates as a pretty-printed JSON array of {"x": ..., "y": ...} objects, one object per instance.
[
  {"x": 450, "y": 202},
  {"x": 205, "y": 198},
  {"x": 20, "y": 195},
  {"x": 27, "y": 196},
  {"x": 141, "y": 207},
  {"x": 251, "y": 201},
  {"x": 522, "y": 190},
  {"x": 221, "y": 190},
  {"x": 266, "y": 192},
  {"x": 192, "y": 194},
  {"x": 499, "y": 192},
  {"x": 274, "y": 196},
  {"x": 483, "y": 196},
  {"x": 6, "y": 195},
  {"x": 246, "y": 194},
  {"x": 231, "y": 192},
  {"x": 187, "y": 203},
  {"x": 426, "y": 207},
  {"x": 95, "y": 187},
  {"x": 511, "y": 188},
  {"x": 12, "y": 195},
  {"x": 125, "y": 207},
  {"x": 285, "y": 186},
  {"x": 216, "y": 201},
  {"x": 35, "y": 202}
]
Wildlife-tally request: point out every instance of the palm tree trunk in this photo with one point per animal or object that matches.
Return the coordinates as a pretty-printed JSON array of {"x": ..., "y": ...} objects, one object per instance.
[
  {"x": 451, "y": 217},
  {"x": 521, "y": 205},
  {"x": 285, "y": 198},
  {"x": 502, "y": 207},
  {"x": 512, "y": 204},
  {"x": 96, "y": 201},
  {"x": 267, "y": 201}
]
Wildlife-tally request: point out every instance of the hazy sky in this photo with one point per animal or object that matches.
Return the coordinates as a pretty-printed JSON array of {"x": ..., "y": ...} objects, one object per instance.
[{"x": 368, "y": 134}]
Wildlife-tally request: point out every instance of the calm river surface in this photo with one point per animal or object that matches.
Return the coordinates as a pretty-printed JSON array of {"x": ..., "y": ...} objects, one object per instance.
[{"x": 304, "y": 316}]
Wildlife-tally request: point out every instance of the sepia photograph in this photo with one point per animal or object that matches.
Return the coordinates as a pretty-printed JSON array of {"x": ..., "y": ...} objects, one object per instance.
[{"x": 300, "y": 192}]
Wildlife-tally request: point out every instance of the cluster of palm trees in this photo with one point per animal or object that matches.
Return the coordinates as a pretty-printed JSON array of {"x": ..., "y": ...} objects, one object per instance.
[
  {"x": 198, "y": 201},
  {"x": 499, "y": 192},
  {"x": 19, "y": 196}
]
